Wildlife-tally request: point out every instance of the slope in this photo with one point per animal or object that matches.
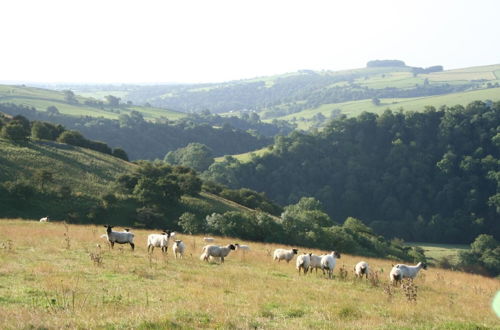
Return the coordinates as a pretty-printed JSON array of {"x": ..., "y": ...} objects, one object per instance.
[
  {"x": 54, "y": 276},
  {"x": 40, "y": 99}
]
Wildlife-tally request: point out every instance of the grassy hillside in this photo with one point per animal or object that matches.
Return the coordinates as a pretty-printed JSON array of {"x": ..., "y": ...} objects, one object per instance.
[
  {"x": 88, "y": 175},
  {"x": 86, "y": 171},
  {"x": 354, "y": 108},
  {"x": 54, "y": 276},
  {"x": 43, "y": 98}
]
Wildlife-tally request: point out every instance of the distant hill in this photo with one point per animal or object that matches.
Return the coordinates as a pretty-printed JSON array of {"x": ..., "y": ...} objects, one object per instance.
[
  {"x": 41, "y": 99},
  {"x": 291, "y": 93}
]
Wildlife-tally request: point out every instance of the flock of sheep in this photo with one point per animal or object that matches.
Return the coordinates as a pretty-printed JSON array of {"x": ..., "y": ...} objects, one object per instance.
[
  {"x": 309, "y": 262},
  {"x": 306, "y": 262}
]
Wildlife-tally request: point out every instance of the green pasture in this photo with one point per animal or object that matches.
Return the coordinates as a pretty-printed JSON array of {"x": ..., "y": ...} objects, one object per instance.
[
  {"x": 247, "y": 156},
  {"x": 354, "y": 108},
  {"x": 438, "y": 251},
  {"x": 43, "y": 98}
]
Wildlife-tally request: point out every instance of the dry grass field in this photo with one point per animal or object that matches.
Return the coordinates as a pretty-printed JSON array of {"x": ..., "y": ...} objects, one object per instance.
[{"x": 54, "y": 275}]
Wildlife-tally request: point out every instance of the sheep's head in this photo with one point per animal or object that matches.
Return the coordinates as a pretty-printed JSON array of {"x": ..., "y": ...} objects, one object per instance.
[
  {"x": 178, "y": 241},
  {"x": 108, "y": 228},
  {"x": 424, "y": 265},
  {"x": 336, "y": 254},
  {"x": 295, "y": 251},
  {"x": 231, "y": 246}
]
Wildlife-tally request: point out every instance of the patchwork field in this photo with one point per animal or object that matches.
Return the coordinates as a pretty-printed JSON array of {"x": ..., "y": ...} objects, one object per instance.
[
  {"x": 54, "y": 275},
  {"x": 354, "y": 108}
]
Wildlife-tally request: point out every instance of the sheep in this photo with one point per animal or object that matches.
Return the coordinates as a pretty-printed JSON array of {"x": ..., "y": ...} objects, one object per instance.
[
  {"x": 178, "y": 248},
  {"x": 216, "y": 251},
  {"x": 208, "y": 239},
  {"x": 119, "y": 237},
  {"x": 315, "y": 262},
  {"x": 44, "y": 219},
  {"x": 361, "y": 269},
  {"x": 159, "y": 240},
  {"x": 282, "y": 254},
  {"x": 400, "y": 271},
  {"x": 244, "y": 248},
  {"x": 328, "y": 262},
  {"x": 303, "y": 261}
]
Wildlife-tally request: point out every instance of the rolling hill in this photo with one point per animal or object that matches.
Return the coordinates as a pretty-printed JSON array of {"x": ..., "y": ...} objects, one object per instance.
[
  {"x": 79, "y": 179},
  {"x": 41, "y": 98},
  {"x": 290, "y": 93}
]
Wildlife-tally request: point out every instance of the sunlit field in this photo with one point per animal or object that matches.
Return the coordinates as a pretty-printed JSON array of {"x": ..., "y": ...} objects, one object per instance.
[{"x": 54, "y": 275}]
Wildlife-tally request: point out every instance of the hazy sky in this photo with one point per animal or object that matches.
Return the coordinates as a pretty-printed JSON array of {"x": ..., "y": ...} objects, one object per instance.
[{"x": 209, "y": 40}]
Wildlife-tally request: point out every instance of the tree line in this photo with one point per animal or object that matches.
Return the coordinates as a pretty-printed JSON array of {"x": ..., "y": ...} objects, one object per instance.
[
  {"x": 20, "y": 129},
  {"x": 422, "y": 176},
  {"x": 153, "y": 140}
]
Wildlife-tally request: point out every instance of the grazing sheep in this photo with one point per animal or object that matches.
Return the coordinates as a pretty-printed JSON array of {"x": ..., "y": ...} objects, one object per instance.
[
  {"x": 400, "y": 271},
  {"x": 303, "y": 261},
  {"x": 159, "y": 240},
  {"x": 119, "y": 237},
  {"x": 328, "y": 262},
  {"x": 361, "y": 269},
  {"x": 44, "y": 219},
  {"x": 178, "y": 248},
  {"x": 208, "y": 239},
  {"x": 282, "y": 254},
  {"x": 216, "y": 251},
  {"x": 244, "y": 248},
  {"x": 315, "y": 262}
]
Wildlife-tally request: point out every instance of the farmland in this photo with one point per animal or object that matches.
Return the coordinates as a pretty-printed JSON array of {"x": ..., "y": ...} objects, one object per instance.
[
  {"x": 54, "y": 276},
  {"x": 42, "y": 98}
]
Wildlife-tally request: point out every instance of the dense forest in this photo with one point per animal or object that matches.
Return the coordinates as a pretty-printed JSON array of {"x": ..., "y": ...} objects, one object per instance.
[
  {"x": 428, "y": 176},
  {"x": 142, "y": 139}
]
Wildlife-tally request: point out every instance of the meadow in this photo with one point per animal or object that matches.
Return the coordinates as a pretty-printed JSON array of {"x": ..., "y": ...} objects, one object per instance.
[
  {"x": 355, "y": 108},
  {"x": 436, "y": 252},
  {"x": 54, "y": 275},
  {"x": 42, "y": 98}
]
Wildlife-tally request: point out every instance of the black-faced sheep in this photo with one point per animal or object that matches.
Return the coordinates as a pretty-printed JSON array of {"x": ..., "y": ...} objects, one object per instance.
[
  {"x": 216, "y": 251},
  {"x": 119, "y": 237}
]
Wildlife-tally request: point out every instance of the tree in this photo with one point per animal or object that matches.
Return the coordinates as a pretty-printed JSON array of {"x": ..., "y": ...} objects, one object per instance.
[
  {"x": 120, "y": 153},
  {"x": 43, "y": 177},
  {"x": 192, "y": 224},
  {"x": 376, "y": 101},
  {"x": 74, "y": 138},
  {"x": 15, "y": 131},
  {"x": 112, "y": 101},
  {"x": 52, "y": 110},
  {"x": 194, "y": 155},
  {"x": 69, "y": 96}
]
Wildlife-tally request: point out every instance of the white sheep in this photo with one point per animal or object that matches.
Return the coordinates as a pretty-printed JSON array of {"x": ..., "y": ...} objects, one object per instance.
[
  {"x": 361, "y": 269},
  {"x": 328, "y": 262},
  {"x": 208, "y": 239},
  {"x": 216, "y": 251},
  {"x": 244, "y": 248},
  {"x": 159, "y": 240},
  {"x": 282, "y": 254},
  {"x": 303, "y": 261},
  {"x": 120, "y": 237},
  {"x": 400, "y": 271},
  {"x": 315, "y": 262},
  {"x": 44, "y": 219},
  {"x": 178, "y": 248}
]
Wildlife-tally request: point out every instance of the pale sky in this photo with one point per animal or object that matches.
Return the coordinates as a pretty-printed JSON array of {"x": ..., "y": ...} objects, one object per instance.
[{"x": 148, "y": 41}]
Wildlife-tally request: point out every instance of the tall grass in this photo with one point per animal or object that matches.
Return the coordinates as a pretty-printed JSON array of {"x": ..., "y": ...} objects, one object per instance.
[{"x": 46, "y": 283}]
